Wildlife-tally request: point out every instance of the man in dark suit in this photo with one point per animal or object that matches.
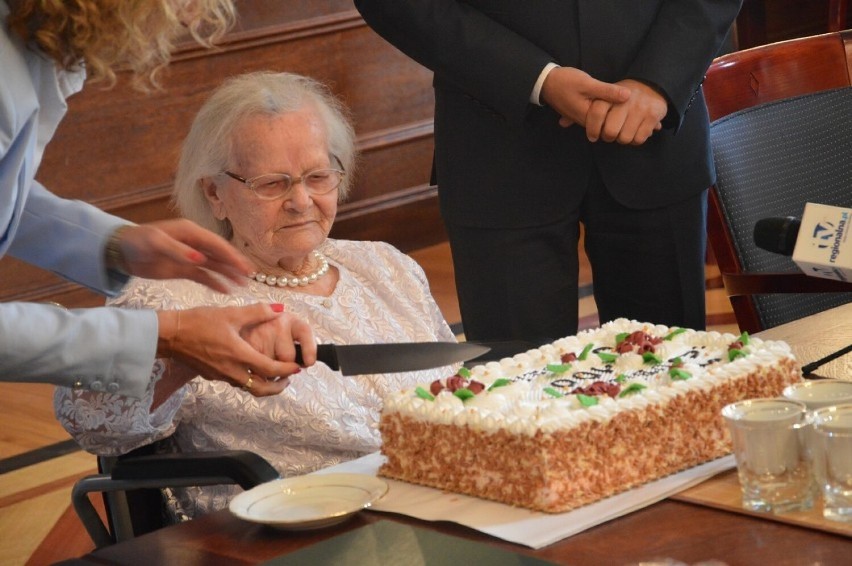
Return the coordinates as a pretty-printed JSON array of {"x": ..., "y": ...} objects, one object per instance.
[{"x": 552, "y": 113}]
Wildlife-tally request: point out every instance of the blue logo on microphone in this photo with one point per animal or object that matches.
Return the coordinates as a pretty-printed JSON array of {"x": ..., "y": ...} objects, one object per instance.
[
  {"x": 828, "y": 235},
  {"x": 824, "y": 234}
]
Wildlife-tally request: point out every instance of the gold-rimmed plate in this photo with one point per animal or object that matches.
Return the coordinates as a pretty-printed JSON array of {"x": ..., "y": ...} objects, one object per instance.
[{"x": 308, "y": 502}]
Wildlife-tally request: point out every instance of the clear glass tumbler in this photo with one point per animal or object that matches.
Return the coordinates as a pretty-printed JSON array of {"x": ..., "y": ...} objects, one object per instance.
[
  {"x": 769, "y": 439},
  {"x": 833, "y": 451},
  {"x": 818, "y": 394}
]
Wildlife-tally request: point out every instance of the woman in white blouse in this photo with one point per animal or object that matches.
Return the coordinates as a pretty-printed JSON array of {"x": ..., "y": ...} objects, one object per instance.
[{"x": 265, "y": 164}]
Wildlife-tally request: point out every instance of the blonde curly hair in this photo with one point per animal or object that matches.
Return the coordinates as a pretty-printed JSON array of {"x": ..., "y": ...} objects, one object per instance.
[{"x": 102, "y": 35}]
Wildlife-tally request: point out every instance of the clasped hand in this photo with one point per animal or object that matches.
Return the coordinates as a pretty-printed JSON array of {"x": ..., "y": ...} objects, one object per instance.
[
  {"x": 250, "y": 347},
  {"x": 627, "y": 112}
]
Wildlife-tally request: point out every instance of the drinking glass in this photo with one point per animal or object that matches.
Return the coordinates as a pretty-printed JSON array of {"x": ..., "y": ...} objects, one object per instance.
[
  {"x": 816, "y": 395},
  {"x": 820, "y": 393},
  {"x": 833, "y": 451},
  {"x": 769, "y": 446}
]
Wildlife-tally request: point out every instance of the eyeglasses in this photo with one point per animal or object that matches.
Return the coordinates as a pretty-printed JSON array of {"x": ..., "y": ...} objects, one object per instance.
[{"x": 277, "y": 185}]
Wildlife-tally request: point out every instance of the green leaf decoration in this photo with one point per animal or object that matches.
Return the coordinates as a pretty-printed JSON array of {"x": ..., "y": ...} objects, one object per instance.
[
  {"x": 558, "y": 368},
  {"x": 621, "y": 337},
  {"x": 553, "y": 392},
  {"x": 632, "y": 389},
  {"x": 499, "y": 383},
  {"x": 587, "y": 400},
  {"x": 585, "y": 353},
  {"x": 607, "y": 357},
  {"x": 464, "y": 393},
  {"x": 744, "y": 338},
  {"x": 676, "y": 361},
  {"x": 674, "y": 333},
  {"x": 621, "y": 378},
  {"x": 423, "y": 394},
  {"x": 678, "y": 374},
  {"x": 464, "y": 372},
  {"x": 734, "y": 354},
  {"x": 651, "y": 358}
]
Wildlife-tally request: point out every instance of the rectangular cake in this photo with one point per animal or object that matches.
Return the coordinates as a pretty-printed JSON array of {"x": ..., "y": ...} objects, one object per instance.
[{"x": 580, "y": 419}]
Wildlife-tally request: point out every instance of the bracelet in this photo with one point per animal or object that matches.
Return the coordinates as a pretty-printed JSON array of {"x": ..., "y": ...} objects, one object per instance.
[{"x": 113, "y": 254}]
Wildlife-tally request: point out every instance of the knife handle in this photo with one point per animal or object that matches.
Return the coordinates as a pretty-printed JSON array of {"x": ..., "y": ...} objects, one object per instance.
[{"x": 325, "y": 354}]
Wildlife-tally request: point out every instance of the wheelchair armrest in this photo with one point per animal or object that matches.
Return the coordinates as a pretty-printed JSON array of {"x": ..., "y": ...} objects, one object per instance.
[{"x": 246, "y": 469}]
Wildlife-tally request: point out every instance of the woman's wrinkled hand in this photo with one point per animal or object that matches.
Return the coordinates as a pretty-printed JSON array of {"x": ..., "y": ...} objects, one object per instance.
[
  {"x": 246, "y": 346},
  {"x": 266, "y": 338}
]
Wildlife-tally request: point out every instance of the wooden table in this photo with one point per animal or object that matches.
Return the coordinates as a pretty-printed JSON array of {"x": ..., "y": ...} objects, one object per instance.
[
  {"x": 669, "y": 529},
  {"x": 819, "y": 335},
  {"x": 698, "y": 526}
]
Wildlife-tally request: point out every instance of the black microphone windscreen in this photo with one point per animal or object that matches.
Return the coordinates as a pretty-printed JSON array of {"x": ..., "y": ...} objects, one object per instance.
[{"x": 777, "y": 235}]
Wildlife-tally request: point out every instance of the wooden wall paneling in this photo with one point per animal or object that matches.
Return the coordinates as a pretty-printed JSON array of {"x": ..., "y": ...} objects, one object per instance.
[
  {"x": 118, "y": 148},
  {"x": 838, "y": 15},
  {"x": 259, "y": 14},
  {"x": 767, "y": 21},
  {"x": 390, "y": 157}
]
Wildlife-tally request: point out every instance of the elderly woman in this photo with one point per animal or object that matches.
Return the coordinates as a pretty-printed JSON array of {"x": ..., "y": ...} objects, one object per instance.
[{"x": 265, "y": 164}]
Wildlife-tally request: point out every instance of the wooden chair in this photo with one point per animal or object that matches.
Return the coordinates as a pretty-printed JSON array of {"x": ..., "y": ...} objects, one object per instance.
[{"x": 782, "y": 136}]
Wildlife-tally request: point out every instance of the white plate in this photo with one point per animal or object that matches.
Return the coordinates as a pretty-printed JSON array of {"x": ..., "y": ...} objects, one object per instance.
[{"x": 308, "y": 502}]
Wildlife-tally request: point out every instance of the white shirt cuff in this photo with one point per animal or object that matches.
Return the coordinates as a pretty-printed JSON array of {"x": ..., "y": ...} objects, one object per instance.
[{"x": 536, "y": 91}]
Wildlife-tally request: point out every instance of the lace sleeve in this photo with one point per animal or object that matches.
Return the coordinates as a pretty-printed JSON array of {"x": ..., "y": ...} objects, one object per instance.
[
  {"x": 425, "y": 298},
  {"x": 109, "y": 425}
]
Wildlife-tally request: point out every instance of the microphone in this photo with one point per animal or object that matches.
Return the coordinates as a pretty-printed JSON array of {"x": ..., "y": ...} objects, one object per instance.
[
  {"x": 819, "y": 243},
  {"x": 777, "y": 235}
]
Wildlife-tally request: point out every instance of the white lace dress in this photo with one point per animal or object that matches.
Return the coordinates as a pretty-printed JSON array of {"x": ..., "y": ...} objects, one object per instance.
[{"x": 321, "y": 419}]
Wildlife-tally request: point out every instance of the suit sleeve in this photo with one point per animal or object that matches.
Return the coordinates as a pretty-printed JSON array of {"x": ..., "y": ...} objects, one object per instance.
[
  {"x": 680, "y": 45},
  {"x": 66, "y": 237},
  {"x": 464, "y": 46},
  {"x": 101, "y": 349}
]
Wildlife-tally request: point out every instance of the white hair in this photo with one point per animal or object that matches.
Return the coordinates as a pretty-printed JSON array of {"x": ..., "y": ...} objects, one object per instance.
[{"x": 208, "y": 145}]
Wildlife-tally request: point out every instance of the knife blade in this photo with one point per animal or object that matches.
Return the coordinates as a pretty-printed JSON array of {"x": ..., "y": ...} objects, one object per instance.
[
  {"x": 358, "y": 359},
  {"x": 499, "y": 349}
]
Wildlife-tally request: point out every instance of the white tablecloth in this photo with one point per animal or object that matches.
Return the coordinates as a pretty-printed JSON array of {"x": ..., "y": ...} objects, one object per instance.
[{"x": 514, "y": 524}]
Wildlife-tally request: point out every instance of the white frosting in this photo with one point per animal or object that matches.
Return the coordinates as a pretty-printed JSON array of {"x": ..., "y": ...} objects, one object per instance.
[{"x": 539, "y": 399}]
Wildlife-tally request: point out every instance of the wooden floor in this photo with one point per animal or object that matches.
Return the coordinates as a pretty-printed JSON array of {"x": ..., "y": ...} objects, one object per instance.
[{"x": 38, "y": 463}]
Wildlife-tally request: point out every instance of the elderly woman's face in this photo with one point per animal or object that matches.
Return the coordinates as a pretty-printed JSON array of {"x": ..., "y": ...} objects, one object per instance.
[{"x": 286, "y": 230}]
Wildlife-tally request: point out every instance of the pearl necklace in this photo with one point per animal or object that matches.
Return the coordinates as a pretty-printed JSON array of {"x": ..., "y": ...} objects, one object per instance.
[{"x": 284, "y": 281}]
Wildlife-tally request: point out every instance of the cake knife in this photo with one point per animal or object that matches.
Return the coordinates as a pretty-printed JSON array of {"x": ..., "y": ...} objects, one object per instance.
[{"x": 358, "y": 359}]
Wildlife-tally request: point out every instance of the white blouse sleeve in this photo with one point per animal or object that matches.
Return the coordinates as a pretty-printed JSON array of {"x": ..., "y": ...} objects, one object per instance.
[{"x": 109, "y": 425}]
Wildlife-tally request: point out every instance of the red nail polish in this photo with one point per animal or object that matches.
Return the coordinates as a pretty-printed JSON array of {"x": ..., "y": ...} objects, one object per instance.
[
  {"x": 297, "y": 371},
  {"x": 196, "y": 256},
  {"x": 277, "y": 307}
]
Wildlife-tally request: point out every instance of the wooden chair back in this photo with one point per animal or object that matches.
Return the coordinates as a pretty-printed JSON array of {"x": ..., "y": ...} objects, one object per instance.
[{"x": 754, "y": 97}]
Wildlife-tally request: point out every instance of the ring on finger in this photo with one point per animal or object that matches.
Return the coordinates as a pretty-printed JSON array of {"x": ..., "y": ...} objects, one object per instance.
[{"x": 248, "y": 384}]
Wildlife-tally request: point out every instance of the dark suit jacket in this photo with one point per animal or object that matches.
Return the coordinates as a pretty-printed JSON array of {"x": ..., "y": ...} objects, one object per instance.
[{"x": 503, "y": 162}]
